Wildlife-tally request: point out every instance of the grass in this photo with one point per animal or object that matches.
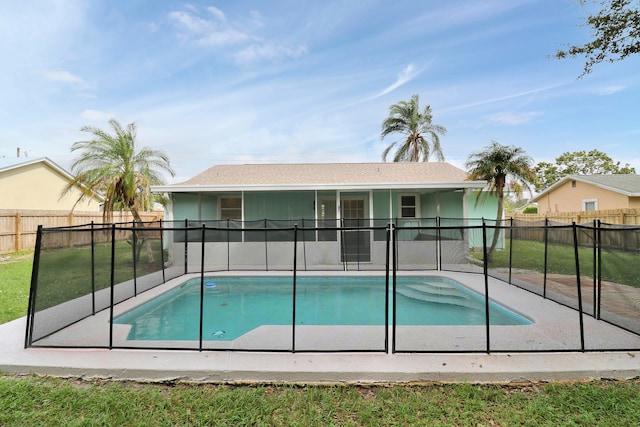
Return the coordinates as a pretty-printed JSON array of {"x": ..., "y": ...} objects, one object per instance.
[
  {"x": 617, "y": 266},
  {"x": 15, "y": 277},
  {"x": 32, "y": 401},
  {"x": 65, "y": 273}
]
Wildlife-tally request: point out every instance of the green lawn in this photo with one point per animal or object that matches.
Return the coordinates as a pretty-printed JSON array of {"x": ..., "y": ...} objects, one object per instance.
[
  {"x": 44, "y": 401},
  {"x": 15, "y": 277},
  {"x": 65, "y": 272},
  {"x": 617, "y": 266},
  {"x": 31, "y": 401}
]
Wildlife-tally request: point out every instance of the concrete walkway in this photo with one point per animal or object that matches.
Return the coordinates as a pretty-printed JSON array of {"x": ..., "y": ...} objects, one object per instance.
[{"x": 249, "y": 367}]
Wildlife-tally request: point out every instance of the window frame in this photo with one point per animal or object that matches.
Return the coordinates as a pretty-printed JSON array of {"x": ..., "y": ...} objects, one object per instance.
[
  {"x": 586, "y": 201},
  {"x": 222, "y": 210},
  {"x": 416, "y": 205}
]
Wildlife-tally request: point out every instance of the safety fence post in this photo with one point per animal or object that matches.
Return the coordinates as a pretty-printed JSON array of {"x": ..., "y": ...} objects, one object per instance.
[
  {"x": 295, "y": 274},
  {"x": 113, "y": 279},
  {"x": 31, "y": 308},
  {"x": 577, "y": 258},
  {"x": 201, "y": 289},
  {"x": 486, "y": 282}
]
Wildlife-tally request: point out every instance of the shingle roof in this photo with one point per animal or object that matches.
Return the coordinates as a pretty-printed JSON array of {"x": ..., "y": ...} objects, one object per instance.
[
  {"x": 629, "y": 185},
  {"x": 296, "y": 176},
  {"x": 620, "y": 183},
  {"x": 329, "y": 173}
]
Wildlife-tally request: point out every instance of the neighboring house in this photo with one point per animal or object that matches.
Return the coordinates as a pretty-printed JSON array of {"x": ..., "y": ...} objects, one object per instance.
[
  {"x": 37, "y": 185},
  {"x": 575, "y": 193},
  {"x": 329, "y": 194}
]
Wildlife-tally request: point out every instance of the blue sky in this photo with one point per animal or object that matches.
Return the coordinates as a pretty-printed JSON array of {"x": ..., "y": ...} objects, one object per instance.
[{"x": 212, "y": 82}]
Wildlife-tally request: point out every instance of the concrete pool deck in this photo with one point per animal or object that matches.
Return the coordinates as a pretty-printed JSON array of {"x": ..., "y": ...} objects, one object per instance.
[
  {"x": 550, "y": 331},
  {"x": 253, "y": 367}
]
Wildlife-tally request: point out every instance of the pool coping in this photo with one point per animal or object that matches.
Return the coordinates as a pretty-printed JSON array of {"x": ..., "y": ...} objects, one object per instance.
[
  {"x": 307, "y": 368},
  {"x": 225, "y": 366}
]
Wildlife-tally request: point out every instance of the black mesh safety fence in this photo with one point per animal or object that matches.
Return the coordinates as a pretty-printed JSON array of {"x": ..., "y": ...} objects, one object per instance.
[
  {"x": 457, "y": 245},
  {"x": 619, "y": 286},
  {"x": 527, "y": 255},
  {"x": 509, "y": 285},
  {"x": 64, "y": 293},
  {"x": 497, "y": 251},
  {"x": 417, "y": 244}
]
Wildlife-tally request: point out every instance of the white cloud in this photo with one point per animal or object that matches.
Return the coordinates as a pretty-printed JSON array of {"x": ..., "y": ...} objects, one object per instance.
[
  {"x": 256, "y": 53},
  {"x": 63, "y": 76},
  {"x": 608, "y": 90},
  {"x": 213, "y": 31},
  {"x": 217, "y": 13},
  {"x": 256, "y": 19},
  {"x": 409, "y": 73},
  {"x": 96, "y": 115},
  {"x": 504, "y": 98},
  {"x": 225, "y": 37},
  {"x": 513, "y": 119}
]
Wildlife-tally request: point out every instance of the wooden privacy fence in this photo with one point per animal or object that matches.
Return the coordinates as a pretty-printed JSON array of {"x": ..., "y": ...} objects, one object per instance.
[
  {"x": 616, "y": 236},
  {"x": 609, "y": 216},
  {"x": 18, "y": 228}
]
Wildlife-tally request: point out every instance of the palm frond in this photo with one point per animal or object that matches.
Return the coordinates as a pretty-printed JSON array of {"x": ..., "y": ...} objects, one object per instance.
[
  {"x": 421, "y": 135},
  {"x": 109, "y": 164}
]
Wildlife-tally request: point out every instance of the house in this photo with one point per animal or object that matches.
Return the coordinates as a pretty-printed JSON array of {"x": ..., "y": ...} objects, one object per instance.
[
  {"x": 321, "y": 191},
  {"x": 589, "y": 193},
  {"x": 37, "y": 185},
  {"x": 326, "y": 195}
]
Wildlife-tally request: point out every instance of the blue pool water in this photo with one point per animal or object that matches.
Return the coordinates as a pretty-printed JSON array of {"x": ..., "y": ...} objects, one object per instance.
[{"x": 233, "y": 306}]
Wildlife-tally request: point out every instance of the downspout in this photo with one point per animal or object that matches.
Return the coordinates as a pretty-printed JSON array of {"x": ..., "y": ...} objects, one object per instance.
[
  {"x": 371, "y": 222},
  {"x": 465, "y": 205}
]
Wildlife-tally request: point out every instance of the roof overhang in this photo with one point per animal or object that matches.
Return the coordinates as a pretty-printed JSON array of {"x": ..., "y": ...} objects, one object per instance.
[
  {"x": 567, "y": 178},
  {"x": 319, "y": 187}
]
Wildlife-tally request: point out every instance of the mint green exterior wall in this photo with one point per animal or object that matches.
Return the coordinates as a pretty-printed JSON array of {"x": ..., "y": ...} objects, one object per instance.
[
  {"x": 279, "y": 205},
  {"x": 208, "y": 206},
  {"x": 486, "y": 208},
  {"x": 186, "y": 206},
  {"x": 381, "y": 204},
  {"x": 301, "y": 204},
  {"x": 194, "y": 206},
  {"x": 451, "y": 204},
  {"x": 429, "y": 205}
]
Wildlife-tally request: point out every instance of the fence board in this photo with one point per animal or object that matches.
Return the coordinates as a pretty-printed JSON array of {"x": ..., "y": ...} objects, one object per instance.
[
  {"x": 18, "y": 228},
  {"x": 533, "y": 226},
  {"x": 626, "y": 216}
]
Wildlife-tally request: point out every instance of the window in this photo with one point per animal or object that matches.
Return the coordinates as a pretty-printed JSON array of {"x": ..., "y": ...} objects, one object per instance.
[
  {"x": 231, "y": 208},
  {"x": 573, "y": 183},
  {"x": 590, "y": 205},
  {"x": 408, "y": 207}
]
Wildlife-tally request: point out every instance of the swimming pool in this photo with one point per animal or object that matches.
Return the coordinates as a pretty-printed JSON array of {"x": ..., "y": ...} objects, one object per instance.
[{"x": 233, "y": 306}]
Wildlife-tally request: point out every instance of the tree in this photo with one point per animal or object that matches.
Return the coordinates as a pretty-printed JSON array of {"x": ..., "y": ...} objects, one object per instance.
[
  {"x": 421, "y": 136},
  {"x": 594, "y": 162},
  {"x": 498, "y": 165},
  {"x": 110, "y": 166},
  {"x": 616, "y": 34}
]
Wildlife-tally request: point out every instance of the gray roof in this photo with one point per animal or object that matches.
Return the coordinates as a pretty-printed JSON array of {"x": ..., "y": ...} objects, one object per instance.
[
  {"x": 44, "y": 160},
  {"x": 629, "y": 185},
  {"x": 327, "y": 175}
]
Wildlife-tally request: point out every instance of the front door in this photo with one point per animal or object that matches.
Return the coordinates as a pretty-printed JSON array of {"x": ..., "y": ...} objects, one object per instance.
[{"x": 356, "y": 244}]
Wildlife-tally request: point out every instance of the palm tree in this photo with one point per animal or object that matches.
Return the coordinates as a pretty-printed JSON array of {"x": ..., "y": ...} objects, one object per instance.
[
  {"x": 421, "y": 136},
  {"x": 110, "y": 166},
  {"x": 496, "y": 164}
]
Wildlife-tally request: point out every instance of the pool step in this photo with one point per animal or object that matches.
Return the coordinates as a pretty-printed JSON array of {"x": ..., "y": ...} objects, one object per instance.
[
  {"x": 440, "y": 293},
  {"x": 436, "y": 288}
]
